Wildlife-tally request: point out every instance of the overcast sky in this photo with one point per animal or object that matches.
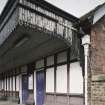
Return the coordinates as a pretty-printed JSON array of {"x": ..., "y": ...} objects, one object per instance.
[{"x": 75, "y": 7}]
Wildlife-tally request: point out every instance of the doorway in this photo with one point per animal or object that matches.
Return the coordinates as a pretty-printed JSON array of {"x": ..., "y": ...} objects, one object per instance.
[
  {"x": 24, "y": 88},
  {"x": 40, "y": 87}
]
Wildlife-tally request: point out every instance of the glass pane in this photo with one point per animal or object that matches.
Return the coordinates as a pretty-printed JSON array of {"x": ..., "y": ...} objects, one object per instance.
[
  {"x": 7, "y": 84},
  {"x": 76, "y": 78},
  {"x": 24, "y": 69},
  {"x": 17, "y": 83},
  {"x": 50, "y": 80},
  {"x": 13, "y": 83},
  {"x": 62, "y": 57},
  {"x": 40, "y": 64},
  {"x": 50, "y": 61},
  {"x": 30, "y": 79},
  {"x": 10, "y": 83},
  {"x": 61, "y": 81},
  {"x": 0, "y": 84}
]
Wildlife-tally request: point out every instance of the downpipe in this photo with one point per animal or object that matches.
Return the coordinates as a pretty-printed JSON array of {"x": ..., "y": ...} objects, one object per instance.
[{"x": 86, "y": 43}]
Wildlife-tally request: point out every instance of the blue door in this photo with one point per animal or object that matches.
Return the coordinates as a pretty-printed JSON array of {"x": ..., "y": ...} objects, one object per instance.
[
  {"x": 24, "y": 88},
  {"x": 40, "y": 87}
]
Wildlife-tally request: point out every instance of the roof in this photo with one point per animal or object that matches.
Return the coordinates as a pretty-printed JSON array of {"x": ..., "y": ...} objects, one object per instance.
[
  {"x": 91, "y": 13},
  {"x": 86, "y": 21}
]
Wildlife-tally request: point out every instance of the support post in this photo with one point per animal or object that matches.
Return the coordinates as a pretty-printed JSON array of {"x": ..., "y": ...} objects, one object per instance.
[{"x": 35, "y": 87}]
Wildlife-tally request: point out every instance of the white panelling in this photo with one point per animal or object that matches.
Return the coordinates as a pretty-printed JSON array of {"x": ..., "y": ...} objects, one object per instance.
[
  {"x": 61, "y": 82},
  {"x": 30, "y": 80},
  {"x": 76, "y": 78},
  {"x": 62, "y": 57},
  {"x": 50, "y": 80},
  {"x": 50, "y": 60},
  {"x": 20, "y": 88},
  {"x": 3, "y": 84},
  {"x": 13, "y": 83},
  {"x": 40, "y": 63},
  {"x": 0, "y": 84},
  {"x": 99, "y": 14},
  {"x": 7, "y": 84},
  {"x": 17, "y": 83},
  {"x": 10, "y": 83}
]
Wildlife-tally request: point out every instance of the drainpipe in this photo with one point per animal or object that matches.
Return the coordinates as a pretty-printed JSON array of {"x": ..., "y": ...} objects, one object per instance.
[{"x": 86, "y": 43}]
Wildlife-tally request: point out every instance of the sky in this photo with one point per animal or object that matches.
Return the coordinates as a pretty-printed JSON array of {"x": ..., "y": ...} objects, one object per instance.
[{"x": 75, "y": 7}]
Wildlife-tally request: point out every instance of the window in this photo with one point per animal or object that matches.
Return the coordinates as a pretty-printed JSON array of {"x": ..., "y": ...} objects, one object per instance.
[
  {"x": 13, "y": 83},
  {"x": 0, "y": 84},
  {"x": 3, "y": 83},
  {"x": 76, "y": 78},
  {"x": 62, "y": 57},
  {"x": 17, "y": 83},
  {"x": 40, "y": 64},
  {"x": 7, "y": 84},
  {"x": 61, "y": 79},
  {"x": 24, "y": 69},
  {"x": 50, "y": 80},
  {"x": 50, "y": 61},
  {"x": 30, "y": 80},
  {"x": 10, "y": 83}
]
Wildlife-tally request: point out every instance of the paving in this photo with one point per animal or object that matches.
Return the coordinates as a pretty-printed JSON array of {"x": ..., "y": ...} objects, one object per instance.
[{"x": 7, "y": 103}]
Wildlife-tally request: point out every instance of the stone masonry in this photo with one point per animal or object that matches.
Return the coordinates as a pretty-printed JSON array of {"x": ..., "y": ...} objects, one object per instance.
[{"x": 97, "y": 63}]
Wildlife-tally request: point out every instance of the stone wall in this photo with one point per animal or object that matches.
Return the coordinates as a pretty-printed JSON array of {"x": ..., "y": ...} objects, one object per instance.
[{"x": 97, "y": 63}]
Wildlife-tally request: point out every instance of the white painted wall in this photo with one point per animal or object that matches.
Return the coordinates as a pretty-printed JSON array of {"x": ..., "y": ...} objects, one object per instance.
[
  {"x": 61, "y": 81},
  {"x": 50, "y": 80},
  {"x": 76, "y": 78}
]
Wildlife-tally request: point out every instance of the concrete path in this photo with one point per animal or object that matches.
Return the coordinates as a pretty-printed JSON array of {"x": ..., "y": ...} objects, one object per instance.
[{"x": 7, "y": 103}]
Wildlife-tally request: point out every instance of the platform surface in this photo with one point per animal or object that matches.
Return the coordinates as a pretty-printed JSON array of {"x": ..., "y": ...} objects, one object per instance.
[{"x": 8, "y": 103}]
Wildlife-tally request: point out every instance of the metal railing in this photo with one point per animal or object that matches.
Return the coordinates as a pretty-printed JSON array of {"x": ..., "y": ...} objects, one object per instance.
[{"x": 35, "y": 18}]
